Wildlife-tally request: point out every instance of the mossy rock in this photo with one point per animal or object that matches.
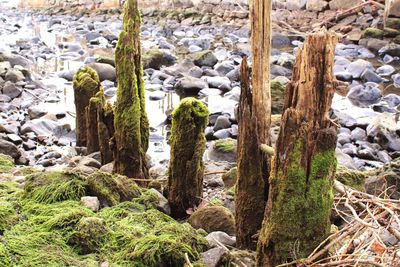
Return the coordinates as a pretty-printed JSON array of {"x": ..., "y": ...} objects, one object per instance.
[
  {"x": 223, "y": 150},
  {"x": 230, "y": 177},
  {"x": 277, "y": 95},
  {"x": 106, "y": 60},
  {"x": 390, "y": 33},
  {"x": 112, "y": 189},
  {"x": 89, "y": 235},
  {"x": 352, "y": 178},
  {"x": 213, "y": 218},
  {"x": 50, "y": 187},
  {"x": 373, "y": 33},
  {"x": 156, "y": 58},
  {"x": 393, "y": 23},
  {"x": 205, "y": 58},
  {"x": 6, "y": 163}
]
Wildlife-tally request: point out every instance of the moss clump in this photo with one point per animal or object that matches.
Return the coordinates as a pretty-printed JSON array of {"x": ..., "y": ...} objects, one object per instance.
[
  {"x": 148, "y": 238},
  {"x": 353, "y": 178},
  {"x": 8, "y": 215},
  {"x": 5, "y": 259},
  {"x": 50, "y": 187},
  {"x": 213, "y": 218},
  {"x": 373, "y": 33},
  {"x": 112, "y": 189},
  {"x": 89, "y": 235},
  {"x": 225, "y": 145},
  {"x": 277, "y": 95},
  {"x": 26, "y": 170},
  {"x": 6, "y": 163},
  {"x": 299, "y": 219}
]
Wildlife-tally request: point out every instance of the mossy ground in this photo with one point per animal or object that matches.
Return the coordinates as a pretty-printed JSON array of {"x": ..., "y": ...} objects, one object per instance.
[
  {"x": 6, "y": 163},
  {"x": 44, "y": 224}
]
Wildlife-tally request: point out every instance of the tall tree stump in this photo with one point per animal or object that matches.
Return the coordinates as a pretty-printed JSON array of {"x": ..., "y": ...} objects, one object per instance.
[
  {"x": 131, "y": 123},
  {"x": 254, "y": 126},
  {"x": 186, "y": 167},
  {"x": 86, "y": 84},
  {"x": 301, "y": 195}
]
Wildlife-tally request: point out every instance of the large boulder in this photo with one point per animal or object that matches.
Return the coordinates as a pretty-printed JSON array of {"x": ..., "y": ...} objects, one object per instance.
[
  {"x": 105, "y": 71},
  {"x": 42, "y": 127}
]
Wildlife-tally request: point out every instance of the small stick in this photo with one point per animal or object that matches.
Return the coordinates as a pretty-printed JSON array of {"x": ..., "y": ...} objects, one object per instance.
[{"x": 188, "y": 260}]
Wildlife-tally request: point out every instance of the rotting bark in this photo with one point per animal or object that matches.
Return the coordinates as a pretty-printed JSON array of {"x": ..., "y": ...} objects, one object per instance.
[
  {"x": 254, "y": 125},
  {"x": 297, "y": 216},
  {"x": 86, "y": 84},
  {"x": 131, "y": 123},
  {"x": 186, "y": 167},
  {"x": 92, "y": 134}
]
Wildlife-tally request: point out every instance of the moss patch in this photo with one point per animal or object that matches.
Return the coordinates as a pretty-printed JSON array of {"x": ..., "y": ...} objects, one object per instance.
[
  {"x": 353, "y": 178},
  {"x": 225, "y": 145},
  {"x": 6, "y": 163},
  {"x": 373, "y": 33},
  {"x": 277, "y": 97},
  {"x": 213, "y": 218}
]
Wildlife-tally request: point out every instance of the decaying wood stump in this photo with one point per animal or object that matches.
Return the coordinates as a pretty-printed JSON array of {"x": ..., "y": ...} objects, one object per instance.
[
  {"x": 131, "y": 123},
  {"x": 254, "y": 125},
  {"x": 86, "y": 84},
  {"x": 301, "y": 195},
  {"x": 186, "y": 167}
]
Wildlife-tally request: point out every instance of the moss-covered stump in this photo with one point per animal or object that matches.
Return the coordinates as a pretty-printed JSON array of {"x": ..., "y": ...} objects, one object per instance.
[
  {"x": 130, "y": 121},
  {"x": 186, "y": 167},
  {"x": 92, "y": 133},
  {"x": 86, "y": 84},
  {"x": 111, "y": 189},
  {"x": 6, "y": 163},
  {"x": 213, "y": 218},
  {"x": 297, "y": 216}
]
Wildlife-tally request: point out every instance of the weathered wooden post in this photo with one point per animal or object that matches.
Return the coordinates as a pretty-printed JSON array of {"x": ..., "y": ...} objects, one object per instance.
[
  {"x": 254, "y": 125},
  {"x": 131, "y": 123},
  {"x": 86, "y": 84},
  {"x": 301, "y": 195},
  {"x": 186, "y": 167}
]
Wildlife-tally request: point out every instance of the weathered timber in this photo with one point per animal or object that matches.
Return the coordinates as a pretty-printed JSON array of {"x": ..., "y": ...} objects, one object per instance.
[
  {"x": 130, "y": 118},
  {"x": 186, "y": 167},
  {"x": 254, "y": 125},
  {"x": 297, "y": 215},
  {"x": 86, "y": 84}
]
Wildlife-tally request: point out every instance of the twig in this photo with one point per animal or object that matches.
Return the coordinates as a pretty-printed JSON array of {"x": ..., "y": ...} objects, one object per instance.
[{"x": 187, "y": 260}]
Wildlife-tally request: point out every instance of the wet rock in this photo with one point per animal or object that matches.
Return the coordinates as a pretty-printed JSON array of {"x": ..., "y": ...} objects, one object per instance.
[
  {"x": 383, "y": 156},
  {"x": 383, "y": 130},
  {"x": 90, "y": 162},
  {"x": 385, "y": 70},
  {"x": 213, "y": 218},
  {"x": 91, "y": 203},
  {"x": 280, "y": 40},
  {"x": 392, "y": 49},
  {"x": 224, "y": 68},
  {"x": 11, "y": 90},
  {"x": 222, "y": 122},
  {"x": 363, "y": 96},
  {"x": 162, "y": 204},
  {"x": 223, "y": 150},
  {"x": 345, "y": 160},
  {"x": 29, "y": 145},
  {"x": 222, "y": 134},
  {"x": 358, "y": 67},
  {"x": 370, "y": 76},
  {"x": 206, "y": 58},
  {"x": 8, "y": 148},
  {"x": 105, "y": 71},
  {"x": 343, "y": 4},
  {"x": 358, "y": 134},
  {"x": 222, "y": 83},
  {"x": 41, "y": 127},
  {"x": 221, "y": 237},
  {"x": 213, "y": 257},
  {"x": 156, "y": 58},
  {"x": 190, "y": 85}
]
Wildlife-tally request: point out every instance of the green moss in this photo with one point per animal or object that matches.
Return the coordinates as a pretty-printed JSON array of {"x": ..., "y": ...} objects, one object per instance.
[
  {"x": 373, "y": 33},
  {"x": 112, "y": 189},
  {"x": 277, "y": 97},
  {"x": 353, "y": 178},
  {"x": 106, "y": 60},
  {"x": 299, "y": 220},
  {"x": 85, "y": 78},
  {"x": 89, "y": 235},
  {"x": 8, "y": 215},
  {"x": 6, "y": 163},
  {"x": 215, "y": 202},
  {"x": 26, "y": 170},
  {"x": 225, "y": 145},
  {"x": 50, "y": 187},
  {"x": 230, "y": 177},
  {"x": 5, "y": 259},
  {"x": 213, "y": 218},
  {"x": 393, "y": 23},
  {"x": 205, "y": 58}
]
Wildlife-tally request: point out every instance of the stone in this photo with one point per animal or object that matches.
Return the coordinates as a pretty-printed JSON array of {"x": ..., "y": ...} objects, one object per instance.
[
  {"x": 358, "y": 134},
  {"x": 14, "y": 138},
  {"x": 370, "y": 76},
  {"x": 345, "y": 160},
  {"x": 222, "y": 122},
  {"x": 15, "y": 59},
  {"x": 8, "y": 148},
  {"x": 156, "y": 58},
  {"x": 230, "y": 177},
  {"x": 190, "y": 85},
  {"x": 385, "y": 181},
  {"x": 383, "y": 130},
  {"x": 392, "y": 8},
  {"x": 91, "y": 203},
  {"x": 105, "y": 71},
  {"x": 162, "y": 204},
  {"x": 364, "y": 96},
  {"x": 296, "y": 4},
  {"x": 391, "y": 49},
  {"x": 343, "y": 4},
  {"x": 212, "y": 257},
  {"x": 221, "y": 237},
  {"x": 223, "y": 150},
  {"x": 222, "y": 83},
  {"x": 36, "y": 112},
  {"x": 385, "y": 70},
  {"x": 41, "y": 127},
  {"x": 224, "y": 68},
  {"x": 222, "y": 134},
  {"x": 213, "y": 218},
  {"x": 206, "y": 58},
  {"x": 90, "y": 162},
  {"x": 11, "y": 90},
  {"x": 316, "y": 5},
  {"x": 357, "y": 67},
  {"x": 14, "y": 76}
]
